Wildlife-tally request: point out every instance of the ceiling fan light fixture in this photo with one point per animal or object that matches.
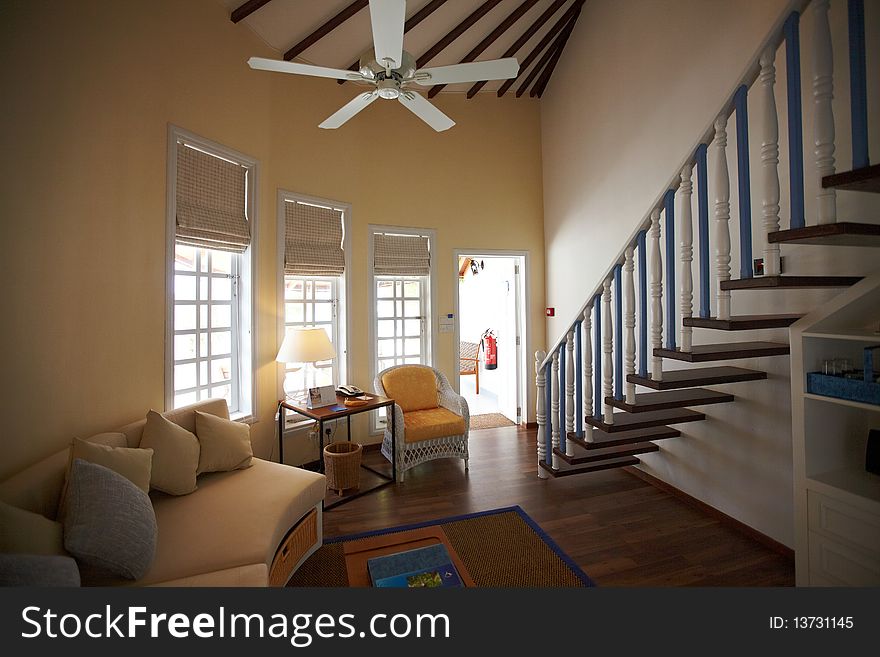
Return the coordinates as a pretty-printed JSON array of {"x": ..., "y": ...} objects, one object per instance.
[{"x": 389, "y": 89}]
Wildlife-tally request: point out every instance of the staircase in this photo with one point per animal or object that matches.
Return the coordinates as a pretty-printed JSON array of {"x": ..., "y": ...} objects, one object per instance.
[{"x": 598, "y": 405}]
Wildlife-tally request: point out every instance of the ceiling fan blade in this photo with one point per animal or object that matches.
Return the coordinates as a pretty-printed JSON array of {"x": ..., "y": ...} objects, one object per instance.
[
  {"x": 281, "y": 66},
  {"x": 387, "y": 17},
  {"x": 348, "y": 110},
  {"x": 419, "y": 106},
  {"x": 493, "y": 69}
]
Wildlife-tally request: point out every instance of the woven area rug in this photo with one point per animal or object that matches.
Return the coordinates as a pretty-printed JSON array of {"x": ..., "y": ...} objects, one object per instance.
[
  {"x": 490, "y": 421},
  {"x": 499, "y": 548}
]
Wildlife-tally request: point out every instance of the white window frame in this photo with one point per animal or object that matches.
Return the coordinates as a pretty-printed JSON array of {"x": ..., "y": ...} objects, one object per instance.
[
  {"x": 343, "y": 285},
  {"x": 376, "y": 424},
  {"x": 244, "y": 340}
]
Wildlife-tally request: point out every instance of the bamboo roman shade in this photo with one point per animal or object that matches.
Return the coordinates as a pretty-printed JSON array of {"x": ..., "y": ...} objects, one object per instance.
[
  {"x": 401, "y": 255},
  {"x": 211, "y": 202},
  {"x": 312, "y": 240}
]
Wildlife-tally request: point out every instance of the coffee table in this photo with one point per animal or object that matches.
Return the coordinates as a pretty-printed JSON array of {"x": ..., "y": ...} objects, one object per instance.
[{"x": 358, "y": 552}]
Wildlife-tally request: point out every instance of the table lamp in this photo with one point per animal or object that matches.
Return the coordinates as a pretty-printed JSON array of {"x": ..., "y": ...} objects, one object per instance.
[{"x": 305, "y": 345}]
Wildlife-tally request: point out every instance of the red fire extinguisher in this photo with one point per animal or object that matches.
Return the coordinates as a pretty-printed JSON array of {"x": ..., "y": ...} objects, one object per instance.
[{"x": 490, "y": 345}]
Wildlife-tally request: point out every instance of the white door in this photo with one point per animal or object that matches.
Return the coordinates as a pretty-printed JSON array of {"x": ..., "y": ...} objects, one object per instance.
[{"x": 507, "y": 339}]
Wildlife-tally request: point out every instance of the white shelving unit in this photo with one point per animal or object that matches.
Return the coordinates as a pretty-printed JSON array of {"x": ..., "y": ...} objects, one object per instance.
[{"x": 837, "y": 502}]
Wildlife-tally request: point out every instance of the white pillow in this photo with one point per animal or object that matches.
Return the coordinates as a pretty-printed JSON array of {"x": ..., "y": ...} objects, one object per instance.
[
  {"x": 175, "y": 455},
  {"x": 225, "y": 444},
  {"x": 132, "y": 463}
]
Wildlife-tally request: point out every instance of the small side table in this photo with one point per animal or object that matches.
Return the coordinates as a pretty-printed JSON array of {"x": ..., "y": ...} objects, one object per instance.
[{"x": 338, "y": 411}]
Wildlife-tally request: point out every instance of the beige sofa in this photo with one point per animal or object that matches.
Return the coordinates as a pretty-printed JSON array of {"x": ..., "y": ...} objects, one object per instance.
[{"x": 250, "y": 527}]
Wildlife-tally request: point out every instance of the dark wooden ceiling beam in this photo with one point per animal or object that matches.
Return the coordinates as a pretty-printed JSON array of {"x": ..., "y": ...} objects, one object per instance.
[
  {"x": 505, "y": 25},
  {"x": 544, "y": 78},
  {"x": 456, "y": 32},
  {"x": 326, "y": 28},
  {"x": 537, "y": 50},
  {"x": 246, "y": 9},
  {"x": 414, "y": 20},
  {"x": 540, "y": 66},
  {"x": 519, "y": 43}
]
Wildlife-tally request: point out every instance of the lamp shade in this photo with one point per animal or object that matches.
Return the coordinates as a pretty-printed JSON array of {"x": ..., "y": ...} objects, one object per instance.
[{"x": 305, "y": 345}]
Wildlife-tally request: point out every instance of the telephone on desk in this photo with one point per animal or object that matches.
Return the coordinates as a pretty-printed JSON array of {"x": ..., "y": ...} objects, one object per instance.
[{"x": 349, "y": 391}]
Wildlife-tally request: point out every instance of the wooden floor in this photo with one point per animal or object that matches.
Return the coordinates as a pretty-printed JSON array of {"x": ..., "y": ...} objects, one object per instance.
[{"x": 620, "y": 530}]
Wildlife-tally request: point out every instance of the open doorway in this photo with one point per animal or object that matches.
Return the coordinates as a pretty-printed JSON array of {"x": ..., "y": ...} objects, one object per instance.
[{"x": 490, "y": 333}]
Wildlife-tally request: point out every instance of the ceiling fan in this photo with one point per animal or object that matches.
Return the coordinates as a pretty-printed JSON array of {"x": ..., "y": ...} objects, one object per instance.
[{"x": 391, "y": 70}]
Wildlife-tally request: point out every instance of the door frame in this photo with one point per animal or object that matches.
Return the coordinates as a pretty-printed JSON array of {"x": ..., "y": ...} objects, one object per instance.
[{"x": 524, "y": 294}]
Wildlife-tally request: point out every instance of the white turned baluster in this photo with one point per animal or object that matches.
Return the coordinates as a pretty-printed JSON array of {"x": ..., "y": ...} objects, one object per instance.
[
  {"x": 607, "y": 350},
  {"x": 569, "y": 391},
  {"x": 541, "y": 413},
  {"x": 686, "y": 244},
  {"x": 656, "y": 296},
  {"x": 587, "y": 326},
  {"x": 629, "y": 322},
  {"x": 823, "y": 116},
  {"x": 721, "y": 178},
  {"x": 554, "y": 408},
  {"x": 770, "y": 160}
]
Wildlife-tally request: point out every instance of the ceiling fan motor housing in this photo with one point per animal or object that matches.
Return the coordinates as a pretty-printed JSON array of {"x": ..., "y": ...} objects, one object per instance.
[{"x": 370, "y": 68}]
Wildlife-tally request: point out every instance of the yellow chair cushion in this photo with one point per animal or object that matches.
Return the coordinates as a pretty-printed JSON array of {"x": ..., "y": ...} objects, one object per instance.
[
  {"x": 431, "y": 423},
  {"x": 413, "y": 388}
]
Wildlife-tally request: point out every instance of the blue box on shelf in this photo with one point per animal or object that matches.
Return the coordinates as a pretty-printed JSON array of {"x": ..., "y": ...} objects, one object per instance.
[{"x": 865, "y": 390}]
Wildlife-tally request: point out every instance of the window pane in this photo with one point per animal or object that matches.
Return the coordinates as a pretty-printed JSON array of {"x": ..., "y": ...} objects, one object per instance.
[
  {"x": 293, "y": 288},
  {"x": 385, "y": 348},
  {"x": 411, "y": 289},
  {"x": 412, "y": 309},
  {"x": 222, "y": 392},
  {"x": 323, "y": 312},
  {"x": 385, "y": 308},
  {"x": 294, "y": 383},
  {"x": 184, "y": 317},
  {"x": 203, "y": 260},
  {"x": 203, "y": 288},
  {"x": 309, "y": 293},
  {"x": 184, "y": 376},
  {"x": 398, "y": 289},
  {"x": 221, "y": 262},
  {"x": 221, "y": 289},
  {"x": 384, "y": 289},
  {"x": 221, "y": 370},
  {"x": 184, "y": 258},
  {"x": 294, "y": 312},
  {"x": 185, "y": 288},
  {"x": 185, "y": 399},
  {"x": 398, "y": 308},
  {"x": 413, "y": 347},
  {"x": 413, "y": 327},
  {"x": 309, "y": 312},
  {"x": 412, "y": 361},
  {"x": 323, "y": 377},
  {"x": 386, "y": 328},
  {"x": 203, "y": 372},
  {"x": 203, "y": 316},
  {"x": 221, "y": 316},
  {"x": 385, "y": 363},
  {"x": 203, "y": 344},
  {"x": 221, "y": 343},
  {"x": 184, "y": 346},
  {"x": 324, "y": 290}
]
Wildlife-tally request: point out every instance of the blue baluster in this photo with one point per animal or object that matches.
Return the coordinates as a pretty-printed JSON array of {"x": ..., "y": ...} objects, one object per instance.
[
  {"x": 597, "y": 358},
  {"x": 548, "y": 392},
  {"x": 618, "y": 333},
  {"x": 578, "y": 381},
  {"x": 795, "y": 120},
  {"x": 643, "y": 303},
  {"x": 740, "y": 101},
  {"x": 563, "y": 433},
  {"x": 669, "y": 211},
  {"x": 703, "y": 227},
  {"x": 858, "y": 84}
]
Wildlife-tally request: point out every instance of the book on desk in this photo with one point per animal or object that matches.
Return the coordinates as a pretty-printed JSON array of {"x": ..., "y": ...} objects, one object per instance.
[{"x": 429, "y": 566}]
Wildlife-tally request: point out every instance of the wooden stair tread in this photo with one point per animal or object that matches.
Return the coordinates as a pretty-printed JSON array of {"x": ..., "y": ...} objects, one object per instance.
[
  {"x": 865, "y": 179},
  {"x": 701, "y": 353},
  {"x": 704, "y": 376},
  {"x": 742, "y": 322},
  {"x": 593, "y": 467},
  {"x": 771, "y": 282},
  {"x": 628, "y": 421},
  {"x": 655, "y": 401},
  {"x": 606, "y": 453},
  {"x": 844, "y": 233},
  {"x": 602, "y": 439}
]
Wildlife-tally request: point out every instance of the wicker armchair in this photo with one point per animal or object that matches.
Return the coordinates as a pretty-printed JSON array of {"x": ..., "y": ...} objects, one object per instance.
[{"x": 431, "y": 420}]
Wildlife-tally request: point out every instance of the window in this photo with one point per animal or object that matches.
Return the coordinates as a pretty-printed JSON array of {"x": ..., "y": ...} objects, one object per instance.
[
  {"x": 401, "y": 299},
  {"x": 313, "y": 256},
  {"x": 210, "y": 321}
]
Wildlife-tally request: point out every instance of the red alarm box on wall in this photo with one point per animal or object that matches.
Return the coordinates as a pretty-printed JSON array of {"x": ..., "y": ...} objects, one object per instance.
[{"x": 550, "y": 312}]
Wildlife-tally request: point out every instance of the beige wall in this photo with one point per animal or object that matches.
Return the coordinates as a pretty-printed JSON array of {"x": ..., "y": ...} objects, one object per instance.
[
  {"x": 90, "y": 88},
  {"x": 639, "y": 82}
]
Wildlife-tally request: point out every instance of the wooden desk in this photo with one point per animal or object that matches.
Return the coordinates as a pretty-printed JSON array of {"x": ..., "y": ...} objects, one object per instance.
[{"x": 338, "y": 411}]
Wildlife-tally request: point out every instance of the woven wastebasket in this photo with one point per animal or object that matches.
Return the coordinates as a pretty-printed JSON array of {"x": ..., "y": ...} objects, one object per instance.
[{"x": 342, "y": 464}]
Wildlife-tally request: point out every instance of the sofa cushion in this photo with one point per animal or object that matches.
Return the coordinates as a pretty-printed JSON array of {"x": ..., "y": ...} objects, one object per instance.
[
  {"x": 413, "y": 387},
  {"x": 175, "y": 455},
  {"x": 431, "y": 423},
  {"x": 234, "y": 519},
  {"x": 109, "y": 523},
  {"x": 38, "y": 570},
  {"x": 132, "y": 463},
  {"x": 28, "y": 533},
  {"x": 224, "y": 444}
]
